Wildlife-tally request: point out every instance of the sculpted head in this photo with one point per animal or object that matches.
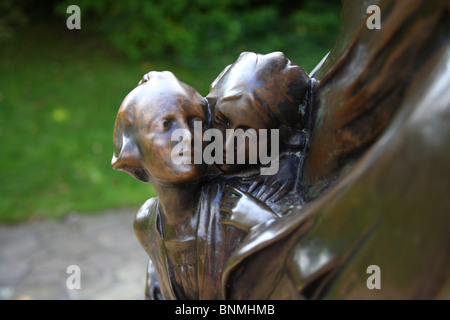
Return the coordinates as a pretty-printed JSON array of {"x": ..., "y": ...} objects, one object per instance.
[
  {"x": 144, "y": 125},
  {"x": 260, "y": 92}
]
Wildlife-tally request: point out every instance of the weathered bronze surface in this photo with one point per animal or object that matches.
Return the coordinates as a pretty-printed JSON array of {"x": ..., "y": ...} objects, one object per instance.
[
  {"x": 363, "y": 179},
  {"x": 378, "y": 169}
]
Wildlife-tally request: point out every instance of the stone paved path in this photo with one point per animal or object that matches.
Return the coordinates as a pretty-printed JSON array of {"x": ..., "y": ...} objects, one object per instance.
[{"x": 34, "y": 258}]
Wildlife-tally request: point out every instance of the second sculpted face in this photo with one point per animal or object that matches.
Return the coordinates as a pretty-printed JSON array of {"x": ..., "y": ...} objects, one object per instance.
[
  {"x": 143, "y": 133},
  {"x": 257, "y": 92}
]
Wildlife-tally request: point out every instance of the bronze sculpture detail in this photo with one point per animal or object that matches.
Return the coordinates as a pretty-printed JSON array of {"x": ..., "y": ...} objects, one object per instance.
[{"x": 361, "y": 168}]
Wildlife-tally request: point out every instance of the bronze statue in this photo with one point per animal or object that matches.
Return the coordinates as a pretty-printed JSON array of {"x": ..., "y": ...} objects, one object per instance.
[
  {"x": 175, "y": 229},
  {"x": 189, "y": 204},
  {"x": 375, "y": 172},
  {"x": 362, "y": 174},
  {"x": 264, "y": 92}
]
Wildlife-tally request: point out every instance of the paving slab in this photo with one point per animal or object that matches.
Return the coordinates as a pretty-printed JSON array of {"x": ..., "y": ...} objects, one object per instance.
[{"x": 35, "y": 256}]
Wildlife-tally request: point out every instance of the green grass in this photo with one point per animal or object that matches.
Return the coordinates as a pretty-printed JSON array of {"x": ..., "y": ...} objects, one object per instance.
[{"x": 59, "y": 95}]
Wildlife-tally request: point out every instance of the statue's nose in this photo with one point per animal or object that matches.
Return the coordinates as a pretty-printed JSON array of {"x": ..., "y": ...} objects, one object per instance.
[{"x": 128, "y": 158}]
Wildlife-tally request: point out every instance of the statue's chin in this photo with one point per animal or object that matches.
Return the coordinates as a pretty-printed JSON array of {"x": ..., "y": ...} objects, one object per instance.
[{"x": 140, "y": 174}]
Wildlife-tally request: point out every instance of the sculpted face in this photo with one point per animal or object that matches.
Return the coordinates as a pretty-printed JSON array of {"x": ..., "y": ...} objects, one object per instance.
[
  {"x": 146, "y": 120},
  {"x": 259, "y": 92}
]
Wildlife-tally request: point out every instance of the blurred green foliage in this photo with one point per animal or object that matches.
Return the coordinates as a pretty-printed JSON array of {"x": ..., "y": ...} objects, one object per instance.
[
  {"x": 59, "y": 95},
  {"x": 60, "y": 89},
  {"x": 11, "y": 17},
  {"x": 194, "y": 33},
  {"x": 191, "y": 30}
]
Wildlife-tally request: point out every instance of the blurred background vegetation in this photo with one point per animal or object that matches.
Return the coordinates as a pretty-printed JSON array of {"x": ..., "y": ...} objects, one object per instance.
[{"x": 60, "y": 89}]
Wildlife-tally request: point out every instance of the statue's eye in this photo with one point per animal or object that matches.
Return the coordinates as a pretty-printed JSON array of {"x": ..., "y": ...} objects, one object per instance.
[
  {"x": 167, "y": 124},
  {"x": 192, "y": 120},
  {"x": 222, "y": 120}
]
